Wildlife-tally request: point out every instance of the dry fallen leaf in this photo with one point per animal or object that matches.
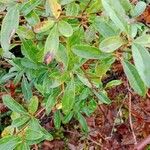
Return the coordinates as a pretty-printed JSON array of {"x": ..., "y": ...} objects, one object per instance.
[{"x": 55, "y": 8}]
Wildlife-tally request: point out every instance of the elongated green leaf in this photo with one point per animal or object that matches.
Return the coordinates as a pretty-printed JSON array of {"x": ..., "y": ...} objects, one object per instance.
[
  {"x": 32, "y": 18},
  {"x": 111, "y": 44},
  {"x": 43, "y": 26},
  {"x": 32, "y": 134},
  {"x": 119, "y": 22},
  {"x": 134, "y": 79},
  {"x": 9, "y": 142},
  {"x": 83, "y": 122},
  {"x": 64, "y": 2},
  {"x": 20, "y": 121},
  {"x": 69, "y": 97},
  {"x": 141, "y": 58},
  {"x": 9, "y": 26},
  {"x": 113, "y": 83},
  {"x": 6, "y": 77},
  {"x": 68, "y": 117},
  {"x": 139, "y": 8},
  {"x": 72, "y": 9},
  {"x": 26, "y": 89},
  {"x": 33, "y": 105},
  {"x": 88, "y": 52},
  {"x": 23, "y": 146},
  {"x": 29, "y": 6},
  {"x": 25, "y": 33},
  {"x": 65, "y": 28},
  {"x": 104, "y": 28},
  {"x": 52, "y": 44},
  {"x": 143, "y": 40},
  {"x": 13, "y": 105},
  {"x": 50, "y": 103},
  {"x": 102, "y": 97},
  {"x": 57, "y": 119}
]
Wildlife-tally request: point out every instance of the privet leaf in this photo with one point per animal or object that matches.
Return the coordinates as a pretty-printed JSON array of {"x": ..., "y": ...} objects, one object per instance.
[
  {"x": 57, "y": 119},
  {"x": 20, "y": 121},
  {"x": 26, "y": 89},
  {"x": 69, "y": 97},
  {"x": 102, "y": 97},
  {"x": 33, "y": 105},
  {"x": 139, "y": 8},
  {"x": 141, "y": 58},
  {"x": 55, "y": 8},
  {"x": 50, "y": 103},
  {"x": 88, "y": 52},
  {"x": 13, "y": 105},
  {"x": 114, "y": 16},
  {"x": 65, "y": 28},
  {"x": 29, "y": 6},
  {"x": 43, "y": 26},
  {"x": 9, "y": 26},
  {"x": 134, "y": 79},
  {"x": 9, "y": 142},
  {"x": 83, "y": 122},
  {"x": 51, "y": 45},
  {"x": 111, "y": 44}
]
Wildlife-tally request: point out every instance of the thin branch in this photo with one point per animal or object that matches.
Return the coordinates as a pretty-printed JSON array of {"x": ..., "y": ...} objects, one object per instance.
[
  {"x": 130, "y": 118},
  {"x": 87, "y": 6}
]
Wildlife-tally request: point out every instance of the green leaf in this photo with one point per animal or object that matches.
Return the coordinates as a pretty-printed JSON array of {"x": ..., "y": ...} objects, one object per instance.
[
  {"x": 25, "y": 33},
  {"x": 13, "y": 105},
  {"x": 33, "y": 105},
  {"x": 102, "y": 97},
  {"x": 88, "y": 52},
  {"x": 32, "y": 18},
  {"x": 102, "y": 66},
  {"x": 32, "y": 134},
  {"x": 9, "y": 26},
  {"x": 113, "y": 83},
  {"x": 69, "y": 97},
  {"x": 134, "y": 79},
  {"x": 139, "y": 8},
  {"x": 84, "y": 80},
  {"x": 23, "y": 146},
  {"x": 118, "y": 20},
  {"x": 57, "y": 119},
  {"x": 126, "y": 5},
  {"x": 20, "y": 121},
  {"x": 104, "y": 27},
  {"x": 6, "y": 77},
  {"x": 64, "y": 2},
  {"x": 50, "y": 103},
  {"x": 43, "y": 26},
  {"x": 62, "y": 56},
  {"x": 111, "y": 44},
  {"x": 143, "y": 40},
  {"x": 29, "y": 6},
  {"x": 72, "y": 9},
  {"x": 9, "y": 142},
  {"x": 83, "y": 122},
  {"x": 52, "y": 42},
  {"x": 26, "y": 89},
  {"x": 141, "y": 58},
  {"x": 65, "y": 28},
  {"x": 68, "y": 117}
]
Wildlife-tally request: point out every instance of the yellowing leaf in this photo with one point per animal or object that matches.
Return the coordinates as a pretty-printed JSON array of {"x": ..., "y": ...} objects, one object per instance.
[{"x": 55, "y": 8}]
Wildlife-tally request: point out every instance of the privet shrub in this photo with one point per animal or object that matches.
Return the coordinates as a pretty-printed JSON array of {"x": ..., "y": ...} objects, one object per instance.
[{"x": 56, "y": 40}]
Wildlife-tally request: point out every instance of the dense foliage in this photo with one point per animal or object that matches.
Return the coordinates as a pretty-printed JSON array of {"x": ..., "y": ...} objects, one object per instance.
[{"x": 66, "y": 47}]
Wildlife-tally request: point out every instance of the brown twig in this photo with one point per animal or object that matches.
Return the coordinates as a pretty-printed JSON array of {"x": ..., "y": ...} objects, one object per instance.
[
  {"x": 87, "y": 6},
  {"x": 130, "y": 118}
]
